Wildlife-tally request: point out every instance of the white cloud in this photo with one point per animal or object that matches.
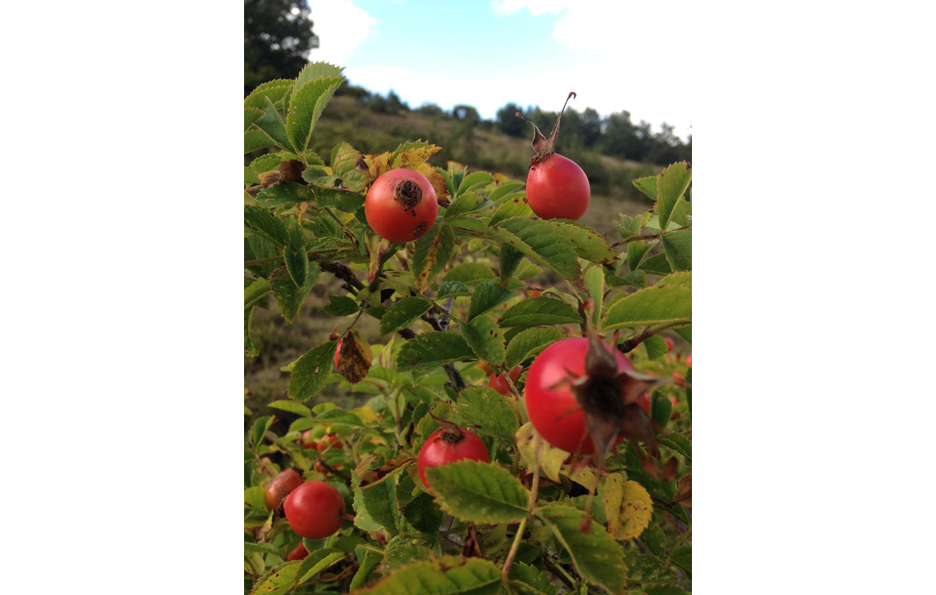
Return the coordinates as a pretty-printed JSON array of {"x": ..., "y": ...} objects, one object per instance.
[
  {"x": 341, "y": 26},
  {"x": 379, "y": 78}
]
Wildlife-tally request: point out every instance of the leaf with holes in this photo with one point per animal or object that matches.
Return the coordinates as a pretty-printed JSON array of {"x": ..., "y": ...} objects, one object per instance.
[{"x": 478, "y": 492}]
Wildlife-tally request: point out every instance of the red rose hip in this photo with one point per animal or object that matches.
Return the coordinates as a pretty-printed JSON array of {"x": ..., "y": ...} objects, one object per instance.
[
  {"x": 280, "y": 487},
  {"x": 449, "y": 446},
  {"x": 314, "y": 510},
  {"x": 401, "y": 205}
]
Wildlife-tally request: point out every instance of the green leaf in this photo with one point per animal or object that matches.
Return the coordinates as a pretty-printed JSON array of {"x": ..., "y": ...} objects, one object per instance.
[
  {"x": 656, "y": 347},
  {"x": 677, "y": 245},
  {"x": 682, "y": 557},
  {"x": 667, "y": 303},
  {"x": 672, "y": 183},
  {"x": 477, "y": 492},
  {"x": 271, "y": 123},
  {"x": 292, "y": 407},
  {"x": 250, "y": 348},
  {"x": 589, "y": 244},
  {"x": 540, "y": 311},
  {"x": 648, "y": 186},
  {"x": 310, "y": 372},
  {"x": 255, "y": 292},
  {"x": 595, "y": 554},
  {"x": 432, "y": 253},
  {"x": 279, "y": 580},
  {"x": 305, "y": 108},
  {"x": 510, "y": 259},
  {"x": 423, "y": 513},
  {"x": 399, "y": 553},
  {"x": 504, "y": 189},
  {"x": 541, "y": 241},
  {"x": 488, "y": 411},
  {"x": 260, "y": 426},
  {"x": 379, "y": 499},
  {"x": 464, "y": 204},
  {"x": 635, "y": 253},
  {"x": 452, "y": 288},
  {"x": 528, "y": 343},
  {"x": 294, "y": 254},
  {"x": 254, "y": 498},
  {"x": 256, "y": 139},
  {"x": 430, "y": 350},
  {"x": 515, "y": 207},
  {"x": 471, "y": 273},
  {"x": 486, "y": 339},
  {"x": 677, "y": 442},
  {"x": 265, "y": 224},
  {"x": 594, "y": 283},
  {"x": 316, "y": 562},
  {"x": 250, "y": 176},
  {"x": 663, "y": 590},
  {"x": 341, "y": 306},
  {"x": 314, "y": 71},
  {"x": 273, "y": 90},
  {"x": 644, "y": 568},
  {"x": 660, "y": 408},
  {"x": 529, "y": 580},
  {"x": 487, "y": 295},
  {"x": 402, "y": 313},
  {"x": 473, "y": 181},
  {"x": 656, "y": 265},
  {"x": 288, "y": 295},
  {"x": 447, "y": 575},
  {"x": 370, "y": 561},
  {"x": 283, "y": 194}
]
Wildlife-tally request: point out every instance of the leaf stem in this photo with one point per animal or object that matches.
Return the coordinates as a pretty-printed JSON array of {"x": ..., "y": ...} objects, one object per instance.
[
  {"x": 532, "y": 506},
  {"x": 651, "y": 236}
]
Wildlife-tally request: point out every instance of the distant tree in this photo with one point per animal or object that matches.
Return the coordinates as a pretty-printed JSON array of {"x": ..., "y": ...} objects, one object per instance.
[
  {"x": 509, "y": 123},
  {"x": 623, "y": 139},
  {"x": 355, "y": 91},
  {"x": 466, "y": 113},
  {"x": 430, "y": 109},
  {"x": 277, "y": 39},
  {"x": 591, "y": 127},
  {"x": 391, "y": 104}
]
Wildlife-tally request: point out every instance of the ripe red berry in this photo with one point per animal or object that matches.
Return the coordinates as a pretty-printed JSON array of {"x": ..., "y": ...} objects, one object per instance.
[
  {"x": 307, "y": 441},
  {"x": 280, "y": 487},
  {"x": 401, "y": 205},
  {"x": 448, "y": 446},
  {"x": 550, "y": 403},
  {"x": 689, "y": 360},
  {"x": 678, "y": 377},
  {"x": 669, "y": 344},
  {"x": 314, "y": 510},
  {"x": 297, "y": 554},
  {"x": 557, "y": 188},
  {"x": 500, "y": 384}
]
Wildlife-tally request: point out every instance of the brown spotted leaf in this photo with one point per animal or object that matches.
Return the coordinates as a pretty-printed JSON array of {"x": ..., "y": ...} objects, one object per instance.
[
  {"x": 684, "y": 491},
  {"x": 628, "y": 507},
  {"x": 354, "y": 359}
]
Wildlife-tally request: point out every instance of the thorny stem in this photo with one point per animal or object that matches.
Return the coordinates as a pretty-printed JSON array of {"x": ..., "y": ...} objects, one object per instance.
[{"x": 538, "y": 446}]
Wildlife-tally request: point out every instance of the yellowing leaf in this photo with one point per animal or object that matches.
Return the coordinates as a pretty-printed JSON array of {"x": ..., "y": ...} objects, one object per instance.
[
  {"x": 627, "y": 506},
  {"x": 410, "y": 155},
  {"x": 435, "y": 178},
  {"x": 377, "y": 165},
  {"x": 366, "y": 414}
]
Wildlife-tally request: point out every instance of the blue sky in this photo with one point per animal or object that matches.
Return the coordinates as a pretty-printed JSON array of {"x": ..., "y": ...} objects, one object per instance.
[{"x": 486, "y": 53}]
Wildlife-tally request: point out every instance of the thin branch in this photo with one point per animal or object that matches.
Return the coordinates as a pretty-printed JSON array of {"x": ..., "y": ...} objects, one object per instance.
[
  {"x": 342, "y": 272},
  {"x": 538, "y": 448},
  {"x": 651, "y": 236},
  {"x": 632, "y": 343}
]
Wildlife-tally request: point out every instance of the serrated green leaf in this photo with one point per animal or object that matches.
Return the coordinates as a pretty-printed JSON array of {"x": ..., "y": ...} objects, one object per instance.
[
  {"x": 402, "y": 313},
  {"x": 510, "y": 208},
  {"x": 656, "y": 347},
  {"x": 671, "y": 185},
  {"x": 648, "y": 186},
  {"x": 370, "y": 561},
  {"x": 540, "y": 241},
  {"x": 310, "y": 372},
  {"x": 540, "y": 311},
  {"x": 452, "y": 288},
  {"x": 485, "y": 338},
  {"x": 343, "y": 200},
  {"x": 656, "y": 265},
  {"x": 470, "y": 273},
  {"x": 430, "y": 350},
  {"x": 488, "y": 411},
  {"x": 479, "y": 492},
  {"x": 447, "y": 575},
  {"x": 316, "y": 562},
  {"x": 473, "y": 181},
  {"x": 682, "y": 557},
  {"x": 487, "y": 295},
  {"x": 595, "y": 554},
  {"x": 271, "y": 124},
  {"x": 464, "y": 204},
  {"x": 341, "y": 306},
  {"x": 505, "y": 189},
  {"x": 260, "y": 426},
  {"x": 589, "y": 244},
  {"x": 677, "y": 245},
  {"x": 431, "y": 254},
  {"x": 254, "y": 498},
  {"x": 313, "y": 71},
  {"x": 379, "y": 499},
  {"x": 279, "y": 580},
  {"x": 635, "y": 253},
  {"x": 662, "y": 305},
  {"x": 529, "y": 580},
  {"x": 256, "y": 139},
  {"x": 677, "y": 442},
  {"x": 288, "y": 295},
  {"x": 423, "y": 514},
  {"x": 250, "y": 176},
  {"x": 528, "y": 343},
  {"x": 265, "y": 224},
  {"x": 291, "y": 406},
  {"x": 274, "y": 90},
  {"x": 306, "y": 106}
]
